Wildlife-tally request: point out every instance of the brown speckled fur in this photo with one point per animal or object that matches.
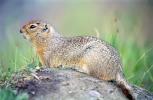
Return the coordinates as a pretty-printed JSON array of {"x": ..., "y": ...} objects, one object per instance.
[{"x": 86, "y": 54}]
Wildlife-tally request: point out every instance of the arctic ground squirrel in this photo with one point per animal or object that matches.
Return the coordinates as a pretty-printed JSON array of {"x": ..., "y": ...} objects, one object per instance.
[{"x": 86, "y": 54}]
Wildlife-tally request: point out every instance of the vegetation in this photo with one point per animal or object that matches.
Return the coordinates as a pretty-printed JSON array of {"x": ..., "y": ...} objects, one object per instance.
[
  {"x": 16, "y": 53},
  {"x": 8, "y": 94}
]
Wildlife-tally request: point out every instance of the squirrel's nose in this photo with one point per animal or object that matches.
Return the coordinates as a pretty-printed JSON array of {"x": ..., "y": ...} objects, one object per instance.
[{"x": 21, "y": 31}]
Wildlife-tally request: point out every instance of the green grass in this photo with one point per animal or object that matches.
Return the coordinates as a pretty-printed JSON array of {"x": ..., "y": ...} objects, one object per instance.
[
  {"x": 137, "y": 60},
  {"x": 8, "y": 94},
  {"x": 17, "y": 54},
  {"x": 124, "y": 34}
]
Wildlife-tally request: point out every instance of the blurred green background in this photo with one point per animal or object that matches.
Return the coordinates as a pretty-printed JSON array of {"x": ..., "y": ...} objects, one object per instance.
[{"x": 126, "y": 24}]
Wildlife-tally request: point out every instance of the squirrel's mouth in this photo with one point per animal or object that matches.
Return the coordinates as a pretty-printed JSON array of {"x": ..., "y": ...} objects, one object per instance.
[{"x": 24, "y": 36}]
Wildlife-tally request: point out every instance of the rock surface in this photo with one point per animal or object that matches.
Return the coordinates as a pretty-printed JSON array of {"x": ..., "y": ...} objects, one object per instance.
[{"x": 67, "y": 84}]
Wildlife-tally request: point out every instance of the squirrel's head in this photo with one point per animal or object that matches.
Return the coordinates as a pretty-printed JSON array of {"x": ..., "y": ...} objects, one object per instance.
[{"x": 36, "y": 29}]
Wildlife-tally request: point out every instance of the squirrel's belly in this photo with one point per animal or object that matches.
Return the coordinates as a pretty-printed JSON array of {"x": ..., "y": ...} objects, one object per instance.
[
  {"x": 93, "y": 67},
  {"x": 79, "y": 65}
]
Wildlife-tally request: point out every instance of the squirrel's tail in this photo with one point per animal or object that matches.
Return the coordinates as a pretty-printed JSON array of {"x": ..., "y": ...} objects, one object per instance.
[{"x": 125, "y": 86}]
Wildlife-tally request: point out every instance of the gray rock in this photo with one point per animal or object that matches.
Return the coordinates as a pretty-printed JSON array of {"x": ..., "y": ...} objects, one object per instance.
[{"x": 66, "y": 84}]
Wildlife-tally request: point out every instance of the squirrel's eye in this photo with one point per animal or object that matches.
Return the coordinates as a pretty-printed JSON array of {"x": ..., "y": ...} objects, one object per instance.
[{"x": 32, "y": 26}]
